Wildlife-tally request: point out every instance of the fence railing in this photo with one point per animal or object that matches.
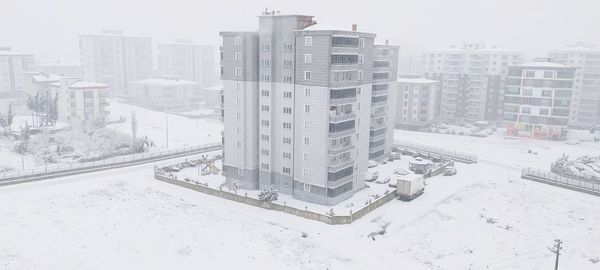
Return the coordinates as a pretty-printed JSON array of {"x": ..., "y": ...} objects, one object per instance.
[
  {"x": 439, "y": 151},
  {"x": 561, "y": 181},
  {"x": 52, "y": 171}
]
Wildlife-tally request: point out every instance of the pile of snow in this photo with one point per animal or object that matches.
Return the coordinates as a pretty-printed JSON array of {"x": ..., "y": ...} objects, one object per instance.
[{"x": 585, "y": 167}]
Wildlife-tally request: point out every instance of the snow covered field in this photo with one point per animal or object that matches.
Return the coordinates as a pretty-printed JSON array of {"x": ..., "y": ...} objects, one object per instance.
[
  {"x": 183, "y": 131},
  {"x": 485, "y": 217}
]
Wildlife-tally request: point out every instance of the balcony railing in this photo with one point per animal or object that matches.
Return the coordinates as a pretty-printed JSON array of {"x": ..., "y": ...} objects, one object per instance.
[
  {"x": 340, "y": 164},
  {"x": 341, "y": 117},
  {"x": 340, "y": 148}
]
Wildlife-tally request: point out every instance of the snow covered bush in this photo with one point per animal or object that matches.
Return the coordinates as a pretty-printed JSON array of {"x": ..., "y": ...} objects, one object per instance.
[{"x": 269, "y": 194}]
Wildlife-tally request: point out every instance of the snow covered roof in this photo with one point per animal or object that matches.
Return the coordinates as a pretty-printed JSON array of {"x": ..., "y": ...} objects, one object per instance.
[
  {"x": 87, "y": 85},
  {"x": 11, "y": 53},
  {"x": 543, "y": 64},
  {"x": 41, "y": 77},
  {"x": 416, "y": 80},
  {"x": 59, "y": 64},
  {"x": 326, "y": 27},
  {"x": 163, "y": 81}
]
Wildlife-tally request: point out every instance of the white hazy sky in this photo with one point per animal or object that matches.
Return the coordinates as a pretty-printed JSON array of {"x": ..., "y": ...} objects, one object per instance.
[{"x": 49, "y": 28}]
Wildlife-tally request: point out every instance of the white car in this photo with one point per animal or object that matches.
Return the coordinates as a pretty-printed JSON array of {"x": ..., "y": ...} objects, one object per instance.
[
  {"x": 371, "y": 176},
  {"x": 449, "y": 171},
  {"x": 383, "y": 180},
  {"x": 373, "y": 163},
  {"x": 401, "y": 171}
]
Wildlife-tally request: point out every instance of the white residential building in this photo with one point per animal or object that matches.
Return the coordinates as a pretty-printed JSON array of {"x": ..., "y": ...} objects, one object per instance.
[
  {"x": 167, "y": 94},
  {"x": 471, "y": 77},
  {"x": 585, "y": 110},
  {"x": 188, "y": 61},
  {"x": 297, "y": 106},
  {"x": 63, "y": 68},
  {"x": 537, "y": 99},
  {"x": 115, "y": 59},
  {"x": 80, "y": 100},
  {"x": 13, "y": 68},
  {"x": 418, "y": 102}
]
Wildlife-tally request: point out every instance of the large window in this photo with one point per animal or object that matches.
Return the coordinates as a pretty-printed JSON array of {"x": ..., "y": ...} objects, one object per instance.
[
  {"x": 344, "y": 59},
  {"x": 342, "y": 93},
  {"x": 344, "y": 42},
  {"x": 380, "y": 75}
]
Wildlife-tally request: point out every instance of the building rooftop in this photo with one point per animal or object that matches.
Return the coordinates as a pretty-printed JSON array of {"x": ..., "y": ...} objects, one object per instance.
[
  {"x": 41, "y": 77},
  {"x": 542, "y": 64},
  {"x": 164, "y": 81},
  {"x": 416, "y": 80},
  {"x": 87, "y": 85}
]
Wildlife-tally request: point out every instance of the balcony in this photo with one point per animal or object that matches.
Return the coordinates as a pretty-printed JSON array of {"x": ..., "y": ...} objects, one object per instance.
[
  {"x": 341, "y": 116},
  {"x": 338, "y": 164},
  {"x": 340, "y": 148},
  {"x": 377, "y": 125}
]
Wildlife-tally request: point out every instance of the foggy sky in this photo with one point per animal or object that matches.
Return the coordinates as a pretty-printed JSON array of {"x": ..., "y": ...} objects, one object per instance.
[{"x": 49, "y": 28}]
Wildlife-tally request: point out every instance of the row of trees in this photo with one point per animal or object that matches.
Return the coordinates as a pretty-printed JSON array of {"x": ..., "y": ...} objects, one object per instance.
[{"x": 44, "y": 109}]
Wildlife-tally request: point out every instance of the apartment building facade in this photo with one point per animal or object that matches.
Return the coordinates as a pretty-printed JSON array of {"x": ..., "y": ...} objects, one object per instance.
[
  {"x": 188, "y": 61},
  {"x": 115, "y": 59},
  {"x": 166, "y": 94},
  {"x": 79, "y": 100},
  {"x": 13, "y": 66},
  {"x": 537, "y": 100},
  {"x": 471, "y": 77},
  {"x": 297, "y": 107},
  {"x": 418, "y": 102},
  {"x": 585, "y": 109}
]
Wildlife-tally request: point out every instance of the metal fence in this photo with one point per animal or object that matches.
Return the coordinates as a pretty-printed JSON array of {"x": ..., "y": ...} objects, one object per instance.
[
  {"x": 561, "y": 181},
  {"x": 433, "y": 150},
  {"x": 45, "y": 172}
]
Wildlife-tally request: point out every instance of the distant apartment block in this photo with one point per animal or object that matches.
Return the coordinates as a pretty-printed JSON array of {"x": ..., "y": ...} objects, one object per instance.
[
  {"x": 471, "y": 77},
  {"x": 537, "y": 99},
  {"x": 585, "y": 110},
  {"x": 168, "y": 94},
  {"x": 297, "y": 106},
  {"x": 68, "y": 69},
  {"x": 418, "y": 102},
  {"x": 79, "y": 100},
  {"x": 13, "y": 67},
  {"x": 188, "y": 61},
  {"x": 115, "y": 59},
  {"x": 383, "y": 100}
]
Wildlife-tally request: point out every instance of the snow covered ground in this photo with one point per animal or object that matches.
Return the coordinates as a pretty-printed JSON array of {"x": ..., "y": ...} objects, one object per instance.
[
  {"x": 183, "y": 131},
  {"x": 485, "y": 217}
]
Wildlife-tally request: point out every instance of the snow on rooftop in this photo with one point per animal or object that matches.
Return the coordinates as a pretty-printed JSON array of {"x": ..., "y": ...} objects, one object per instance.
[
  {"x": 542, "y": 64},
  {"x": 163, "y": 81},
  {"x": 416, "y": 80},
  {"x": 86, "y": 84},
  {"x": 41, "y": 77}
]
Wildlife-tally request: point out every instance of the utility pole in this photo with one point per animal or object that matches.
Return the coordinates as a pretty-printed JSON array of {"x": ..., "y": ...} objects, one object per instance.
[
  {"x": 166, "y": 123},
  {"x": 556, "y": 250}
]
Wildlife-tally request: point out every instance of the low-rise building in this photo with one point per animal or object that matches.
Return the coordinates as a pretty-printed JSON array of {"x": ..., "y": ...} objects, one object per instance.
[
  {"x": 79, "y": 100},
  {"x": 418, "y": 102},
  {"x": 537, "y": 99},
  {"x": 168, "y": 94}
]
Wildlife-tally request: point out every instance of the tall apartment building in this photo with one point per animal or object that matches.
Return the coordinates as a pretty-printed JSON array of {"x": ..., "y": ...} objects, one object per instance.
[
  {"x": 13, "y": 66},
  {"x": 115, "y": 59},
  {"x": 537, "y": 99},
  {"x": 585, "y": 110},
  {"x": 471, "y": 77},
  {"x": 418, "y": 101},
  {"x": 297, "y": 106},
  {"x": 188, "y": 61}
]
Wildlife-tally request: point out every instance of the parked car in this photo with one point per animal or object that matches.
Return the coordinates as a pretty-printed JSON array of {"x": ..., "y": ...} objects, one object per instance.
[
  {"x": 393, "y": 184},
  {"x": 383, "y": 162},
  {"x": 371, "y": 176},
  {"x": 450, "y": 170},
  {"x": 373, "y": 163},
  {"x": 383, "y": 180},
  {"x": 401, "y": 171},
  {"x": 395, "y": 156}
]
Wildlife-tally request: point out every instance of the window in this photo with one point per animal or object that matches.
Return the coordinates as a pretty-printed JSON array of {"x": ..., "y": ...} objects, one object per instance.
[
  {"x": 264, "y": 108},
  {"x": 286, "y": 170},
  {"x": 306, "y": 123},
  {"x": 266, "y": 78},
  {"x": 287, "y": 125},
  {"x": 307, "y": 75},
  {"x": 380, "y": 75},
  {"x": 308, "y": 41},
  {"x": 527, "y": 92},
  {"x": 526, "y": 110},
  {"x": 305, "y": 156},
  {"x": 307, "y": 92},
  {"x": 287, "y": 155},
  {"x": 306, "y": 108},
  {"x": 239, "y": 144},
  {"x": 306, "y": 140},
  {"x": 264, "y": 93},
  {"x": 266, "y": 62},
  {"x": 288, "y": 63},
  {"x": 361, "y": 58},
  {"x": 305, "y": 171},
  {"x": 237, "y": 130},
  {"x": 287, "y": 79},
  {"x": 266, "y": 47},
  {"x": 350, "y": 42},
  {"x": 360, "y": 74},
  {"x": 238, "y": 71},
  {"x": 237, "y": 41},
  {"x": 530, "y": 73},
  {"x": 543, "y": 111},
  {"x": 546, "y": 93},
  {"x": 264, "y": 137},
  {"x": 237, "y": 56},
  {"x": 264, "y": 123},
  {"x": 287, "y": 94},
  {"x": 344, "y": 59},
  {"x": 306, "y": 187},
  {"x": 548, "y": 74},
  {"x": 361, "y": 42},
  {"x": 287, "y": 47},
  {"x": 287, "y": 110},
  {"x": 264, "y": 166},
  {"x": 307, "y": 58},
  {"x": 264, "y": 152},
  {"x": 238, "y": 115},
  {"x": 287, "y": 140}
]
